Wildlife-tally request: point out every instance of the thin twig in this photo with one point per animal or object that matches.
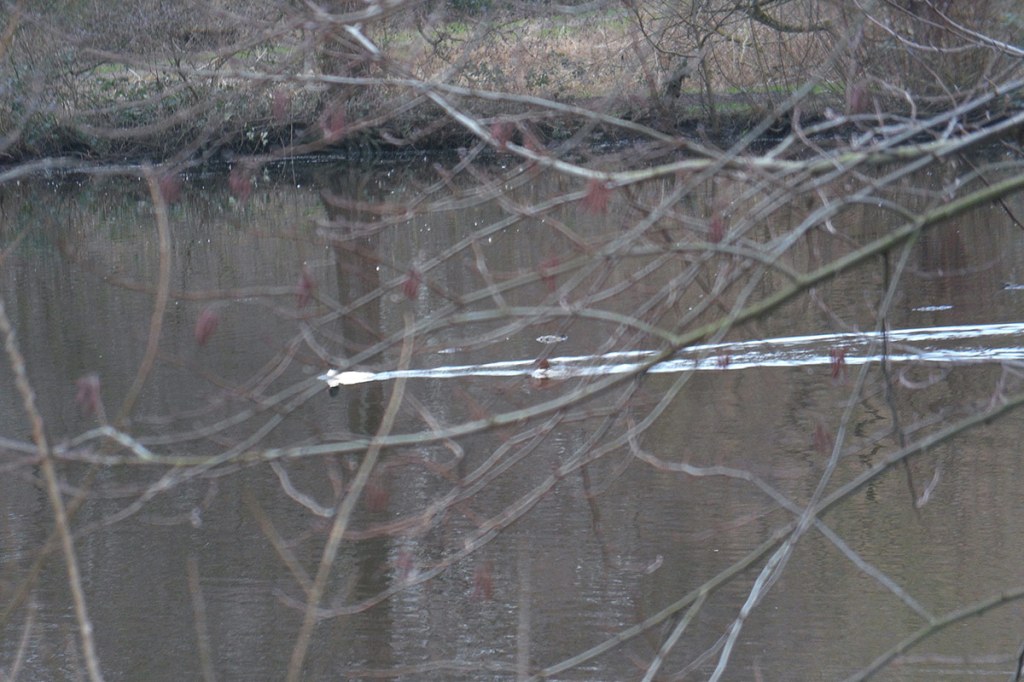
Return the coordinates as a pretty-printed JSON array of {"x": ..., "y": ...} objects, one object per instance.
[
  {"x": 280, "y": 546},
  {"x": 202, "y": 630},
  {"x": 936, "y": 626},
  {"x": 160, "y": 303},
  {"x": 26, "y": 637},
  {"x": 676, "y": 633},
  {"x": 524, "y": 568},
  {"x": 343, "y": 516},
  {"x": 17, "y": 362},
  {"x": 842, "y": 493}
]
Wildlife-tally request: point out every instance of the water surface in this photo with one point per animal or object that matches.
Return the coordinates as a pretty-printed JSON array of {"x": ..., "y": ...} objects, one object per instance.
[{"x": 478, "y": 552}]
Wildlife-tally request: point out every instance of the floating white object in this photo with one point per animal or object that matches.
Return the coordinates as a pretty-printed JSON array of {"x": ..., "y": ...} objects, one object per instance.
[{"x": 334, "y": 378}]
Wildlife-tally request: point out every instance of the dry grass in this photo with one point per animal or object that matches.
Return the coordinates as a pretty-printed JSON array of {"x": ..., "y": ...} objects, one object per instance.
[
  {"x": 557, "y": 58},
  {"x": 605, "y": 54},
  {"x": 161, "y": 95}
]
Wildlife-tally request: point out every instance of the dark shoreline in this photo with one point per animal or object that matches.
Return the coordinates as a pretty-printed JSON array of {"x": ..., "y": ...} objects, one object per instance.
[
  {"x": 67, "y": 150},
  {"x": 416, "y": 132}
]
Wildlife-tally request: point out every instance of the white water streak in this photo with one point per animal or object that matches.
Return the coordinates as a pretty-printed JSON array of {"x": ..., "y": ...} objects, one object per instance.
[{"x": 790, "y": 351}]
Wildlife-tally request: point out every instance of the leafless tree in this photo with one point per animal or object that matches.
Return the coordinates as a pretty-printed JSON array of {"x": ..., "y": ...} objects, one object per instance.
[{"x": 555, "y": 175}]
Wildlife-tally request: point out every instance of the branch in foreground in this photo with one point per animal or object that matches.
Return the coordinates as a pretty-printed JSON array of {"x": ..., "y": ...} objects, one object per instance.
[
  {"x": 777, "y": 536},
  {"x": 17, "y": 362},
  {"x": 936, "y": 626}
]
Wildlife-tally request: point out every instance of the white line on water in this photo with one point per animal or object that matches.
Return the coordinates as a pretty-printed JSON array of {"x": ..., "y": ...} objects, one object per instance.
[{"x": 789, "y": 351}]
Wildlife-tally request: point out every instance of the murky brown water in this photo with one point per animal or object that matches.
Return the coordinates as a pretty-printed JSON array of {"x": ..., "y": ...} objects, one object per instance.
[{"x": 482, "y": 554}]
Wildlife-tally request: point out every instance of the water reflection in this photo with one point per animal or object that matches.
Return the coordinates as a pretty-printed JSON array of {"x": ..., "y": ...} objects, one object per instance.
[{"x": 355, "y": 242}]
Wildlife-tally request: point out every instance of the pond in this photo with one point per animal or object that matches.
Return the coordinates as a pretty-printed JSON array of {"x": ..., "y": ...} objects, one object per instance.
[{"x": 576, "y": 462}]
